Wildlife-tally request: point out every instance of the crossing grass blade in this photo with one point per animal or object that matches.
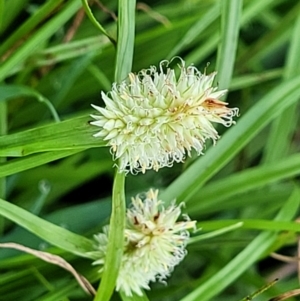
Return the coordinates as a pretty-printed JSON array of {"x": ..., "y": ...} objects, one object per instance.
[{"x": 49, "y": 232}]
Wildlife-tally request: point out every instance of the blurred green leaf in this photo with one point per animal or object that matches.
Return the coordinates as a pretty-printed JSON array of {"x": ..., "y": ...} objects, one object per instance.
[
  {"x": 40, "y": 36},
  {"x": 12, "y": 91}
]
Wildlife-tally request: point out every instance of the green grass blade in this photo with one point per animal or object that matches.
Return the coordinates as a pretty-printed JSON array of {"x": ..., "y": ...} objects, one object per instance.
[
  {"x": 230, "y": 23},
  {"x": 17, "y": 165},
  {"x": 244, "y": 181},
  {"x": 274, "y": 39},
  {"x": 251, "y": 10},
  {"x": 196, "y": 30},
  {"x": 94, "y": 20},
  {"x": 233, "y": 141},
  {"x": 125, "y": 45},
  {"x": 51, "y": 233},
  {"x": 124, "y": 58},
  {"x": 221, "y": 230},
  {"x": 29, "y": 25},
  {"x": 283, "y": 127},
  {"x": 23, "y": 52},
  {"x": 3, "y": 131},
  {"x": 115, "y": 241},
  {"x": 11, "y": 11},
  {"x": 257, "y": 224},
  {"x": 244, "y": 259},
  {"x": 12, "y": 91},
  {"x": 75, "y": 133},
  {"x": 246, "y": 81}
]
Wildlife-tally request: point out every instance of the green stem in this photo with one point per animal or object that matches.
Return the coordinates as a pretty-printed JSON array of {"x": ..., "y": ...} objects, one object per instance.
[
  {"x": 115, "y": 241},
  {"x": 124, "y": 58}
]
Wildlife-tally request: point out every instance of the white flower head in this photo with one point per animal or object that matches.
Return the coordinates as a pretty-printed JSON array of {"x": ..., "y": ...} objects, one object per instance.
[
  {"x": 154, "y": 243},
  {"x": 158, "y": 118}
]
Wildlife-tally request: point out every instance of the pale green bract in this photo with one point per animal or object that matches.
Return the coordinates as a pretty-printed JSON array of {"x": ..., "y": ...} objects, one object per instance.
[
  {"x": 154, "y": 243},
  {"x": 158, "y": 118}
]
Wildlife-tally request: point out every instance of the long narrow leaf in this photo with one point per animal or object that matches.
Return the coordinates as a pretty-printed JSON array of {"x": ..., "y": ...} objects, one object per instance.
[
  {"x": 76, "y": 133},
  {"x": 284, "y": 126},
  {"x": 44, "y": 33},
  {"x": 51, "y": 233},
  {"x": 243, "y": 181},
  {"x": 29, "y": 24},
  {"x": 230, "y": 23},
  {"x": 244, "y": 259},
  {"x": 17, "y": 165},
  {"x": 115, "y": 241},
  {"x": 124, "y": 58}
]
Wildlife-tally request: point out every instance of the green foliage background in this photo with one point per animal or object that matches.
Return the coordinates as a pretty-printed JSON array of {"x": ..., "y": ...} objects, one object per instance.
[{"x": 57, "y": 180}]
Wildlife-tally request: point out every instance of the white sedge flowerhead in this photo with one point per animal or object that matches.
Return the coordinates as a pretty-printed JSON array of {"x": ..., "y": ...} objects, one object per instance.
[
  {"x": 154, "y": 243},
  {"x": 158, "y": 118}
]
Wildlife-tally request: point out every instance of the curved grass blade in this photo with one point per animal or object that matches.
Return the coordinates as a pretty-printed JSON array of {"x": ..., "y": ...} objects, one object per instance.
[
  {"x": 49, "y": 232},
  {"x": 94, "y": 20},
  {"x": 54, "y": 259},
  {"x": 12, "y": 91}
]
